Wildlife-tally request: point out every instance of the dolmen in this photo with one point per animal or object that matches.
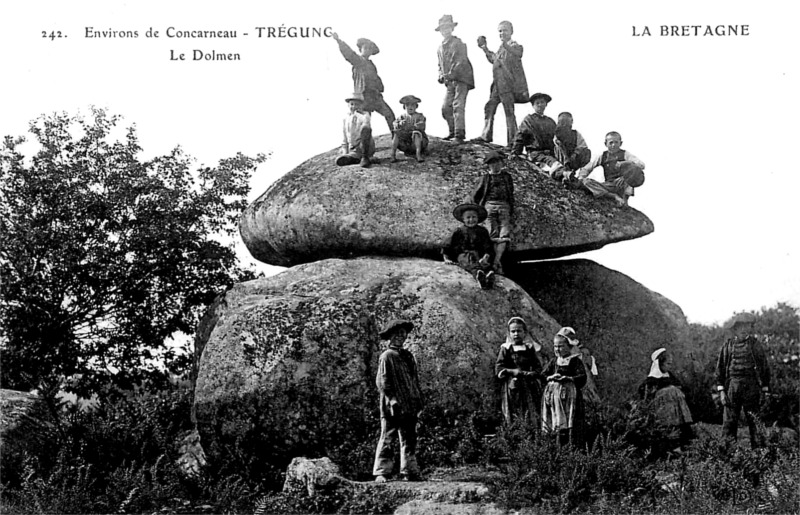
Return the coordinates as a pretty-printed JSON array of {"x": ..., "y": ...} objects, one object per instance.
[{"x": 286, "y": 364}]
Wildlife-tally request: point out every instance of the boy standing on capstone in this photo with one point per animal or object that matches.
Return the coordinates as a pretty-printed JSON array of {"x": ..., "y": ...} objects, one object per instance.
[
  {"x": 509, "y": 84},
  {"x": 365, "y": 77},
  {"x": 455, "y": 72}
]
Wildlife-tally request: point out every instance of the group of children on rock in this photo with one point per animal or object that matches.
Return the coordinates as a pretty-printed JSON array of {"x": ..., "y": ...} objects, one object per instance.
[{"x": 554, "y": 148}]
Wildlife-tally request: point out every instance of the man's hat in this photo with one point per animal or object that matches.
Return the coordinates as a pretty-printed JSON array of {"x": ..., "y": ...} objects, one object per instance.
[
  {"x": 492, "y": 156},
  {"x": 741, "y": 319},
  {"x": 545, "y": 96},
  {"x": 393, "y": 325},
  {"x": 410, "y": 99},
  {"x": 458, "y": 212},
  {"x": 569, "y": 334},
  {"x": 447, "y": 19},
  {"x": 362, "y": 42},
  {"x": 358, "y": 97}
]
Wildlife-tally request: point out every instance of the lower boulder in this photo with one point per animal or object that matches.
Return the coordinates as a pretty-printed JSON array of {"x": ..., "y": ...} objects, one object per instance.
[
  {"x": 289, "y": 366},
  {"x": 618, "y": 319}
]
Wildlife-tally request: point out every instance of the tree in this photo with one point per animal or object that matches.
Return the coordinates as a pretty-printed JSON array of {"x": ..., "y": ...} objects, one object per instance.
[{"x": 104, "y": 257}]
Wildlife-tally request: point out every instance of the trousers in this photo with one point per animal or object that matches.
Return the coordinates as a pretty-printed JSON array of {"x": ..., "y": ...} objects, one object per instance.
[
  {"x": 454, "y": 107},
  {"x": 507, "y": 99},
  {"x": 391, "y": 427}
]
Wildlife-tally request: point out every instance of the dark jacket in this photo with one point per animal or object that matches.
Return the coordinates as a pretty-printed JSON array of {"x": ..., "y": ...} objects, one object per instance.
[
  {"x": 454, "y": 63},
  {"x": 479, "y": 196},
  {"x": 725, "y": 361},
  {"x": 465, "y": 239}
]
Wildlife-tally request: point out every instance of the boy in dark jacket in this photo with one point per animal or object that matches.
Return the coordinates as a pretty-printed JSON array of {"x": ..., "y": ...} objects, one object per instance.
[
  {"x": 470, "y": 246},
  {"x": 495, "y": 192}
]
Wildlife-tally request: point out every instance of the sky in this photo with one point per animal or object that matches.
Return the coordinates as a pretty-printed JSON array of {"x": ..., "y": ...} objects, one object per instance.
[{"x": 713, "y": 117}]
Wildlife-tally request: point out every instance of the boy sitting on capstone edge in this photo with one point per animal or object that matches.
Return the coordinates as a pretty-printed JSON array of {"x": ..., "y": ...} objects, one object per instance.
[
  {"x": 495, "y": 192},
  {"x": 470, "y": 246},
  {"x": 622, "y": 172}
]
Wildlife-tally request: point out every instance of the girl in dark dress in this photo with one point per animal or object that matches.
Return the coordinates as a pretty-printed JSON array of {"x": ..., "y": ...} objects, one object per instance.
[
  {"x": 520, "y": 369},
  {"x": 661, "y": 392}
]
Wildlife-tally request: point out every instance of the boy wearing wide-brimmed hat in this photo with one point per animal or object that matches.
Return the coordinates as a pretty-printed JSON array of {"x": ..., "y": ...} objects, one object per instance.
[
  {"x": 495, "y": 192},
  {"x": 358, "y": 145},
  {"x": 470, "y": 246},
  {"x": 536, "y": 136},
  {"x": 455, "y": 72},
  {"x": 401, "y": 401},
  {"x": 366, "y": 81},
  {"x": 409, "y": 130}
]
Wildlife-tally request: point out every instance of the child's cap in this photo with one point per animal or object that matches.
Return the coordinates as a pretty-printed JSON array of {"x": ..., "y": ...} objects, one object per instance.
[
  {"x": 458, "y": 212},
  {"x": 410, "y": 99},
  {"x": 492, "y": 156},
  {"x": 545, "y": 96},
  {"x": 447, "y": 19},
  {"x": 356, "y": 97},
  {"x": 362, "y": 42}
]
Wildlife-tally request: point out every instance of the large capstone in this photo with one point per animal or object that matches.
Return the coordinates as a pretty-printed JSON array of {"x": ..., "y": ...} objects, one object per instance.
[
  {"x": 621, "y": 321},
  {"x": 320, "y": 210},
  {"x": 289, "y": 367}
]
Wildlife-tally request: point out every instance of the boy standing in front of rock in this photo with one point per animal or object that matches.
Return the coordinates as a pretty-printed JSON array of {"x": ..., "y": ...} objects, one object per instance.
[
  {"x": 409, "y": 130},
  {"x": 401, "y": 401},
  {"x": 470, "y": 246},
  {"x": 495, "y": 192}
]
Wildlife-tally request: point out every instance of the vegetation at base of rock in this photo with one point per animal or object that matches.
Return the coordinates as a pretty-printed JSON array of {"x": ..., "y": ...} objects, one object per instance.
[
  {"x": 105, "y": 256},
  {"x": 120, "y": 457}
]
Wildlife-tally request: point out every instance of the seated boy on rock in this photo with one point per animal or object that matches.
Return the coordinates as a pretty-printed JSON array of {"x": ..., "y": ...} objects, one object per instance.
[
  {"x": 495, "y": 192},
  {"x": 470, "y": 246},
  {"x": 536, "y": 135},
  {"x": 570, "y": 148},
  {"x": 358, "y": 145},
  {"x": 409, "y": 130},
  {"x": 622, "y": 172}
]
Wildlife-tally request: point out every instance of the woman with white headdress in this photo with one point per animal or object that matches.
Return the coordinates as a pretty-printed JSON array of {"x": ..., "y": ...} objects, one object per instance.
[
  {"x": 562, "y": 401},
  {"x": 662, "y": 392},
  {"x": 590, "y": 394}
]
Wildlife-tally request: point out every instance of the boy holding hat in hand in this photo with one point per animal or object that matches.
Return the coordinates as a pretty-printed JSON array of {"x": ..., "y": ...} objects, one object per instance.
[
  {"x": 470, "y": 246},
  {"x": 401, "y": 401},
  {"x": 409, "y": 130}
]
